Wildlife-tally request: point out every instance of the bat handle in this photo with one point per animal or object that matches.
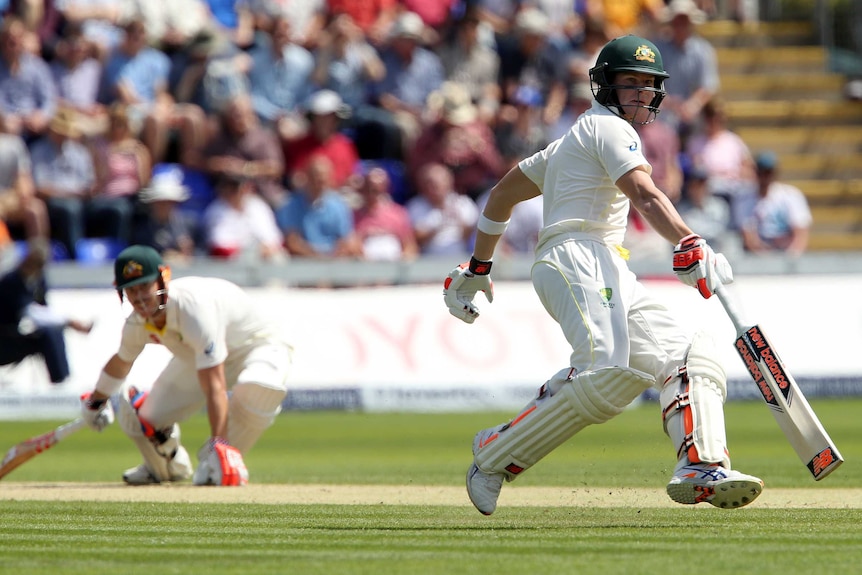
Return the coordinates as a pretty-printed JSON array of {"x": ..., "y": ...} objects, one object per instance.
[{"x": 730, "y": 307}]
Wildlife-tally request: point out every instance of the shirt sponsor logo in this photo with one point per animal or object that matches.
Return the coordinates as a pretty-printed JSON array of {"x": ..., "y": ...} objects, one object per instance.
[{"x": 633, "y": 147}]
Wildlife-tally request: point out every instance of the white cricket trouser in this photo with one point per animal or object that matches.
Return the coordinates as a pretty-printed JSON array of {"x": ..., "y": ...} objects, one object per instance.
[
  {"x": 176, "y": 393},
  {"x": 607, "y": 316}
]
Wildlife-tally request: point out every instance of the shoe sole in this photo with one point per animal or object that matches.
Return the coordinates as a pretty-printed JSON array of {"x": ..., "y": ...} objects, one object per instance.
[
  {"x": 725, "y": 494},
  {"x": 472, "y": 470}
]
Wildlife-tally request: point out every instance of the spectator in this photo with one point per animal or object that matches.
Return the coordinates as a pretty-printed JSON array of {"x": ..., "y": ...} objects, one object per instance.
[
  {"x": 776, "y": 217},
  {"x": 498, "y": 14},
  {"x": 691, "y": 63},
  {"x": 579, "y": 101},
  {"x": 709, "y": 215},
  {"x": 123, "y": 166},
  {"x": 166, "y": 228},
  {"x": 64, "y": 178},
  {"x": 346, "y": 64},
  {"x": 528, "y": 59},
  {"x": 28, "y": 96},
  {"x": 240, "y": 223},
  {"x": 19, "y": 205},
  {"x": 382, "y": 226},
  {"x": 137, "y": 75},
  {"x": 457, "y": 139},
  {"x": 99, "y": 20},
  {"x": 28, "y": 325},
  {"x": 520, "y": 132},
  {"x": 442, "y": 218},
  {"x": 172, "y": 25},
  {"x": 412, "y": 74},
  {"x": 317, "y": 221},
  {"x": 473, "y": 64},
  {"x": 245, "y": 147},
  {"x": 324, "y": 112},
  {"x": 280, "y": 77},
  {"x": 374, "y": 17},
  {"x": 307, "y": 18},
  {"x": 583, "y": 57},
  {"x": 723, "y": 154},
  {"x": 662, "y": 150},
  {"x": 77, "y": 74},
  {"x": 621, "y": 17},
  {"x": 234, "y": 19}
]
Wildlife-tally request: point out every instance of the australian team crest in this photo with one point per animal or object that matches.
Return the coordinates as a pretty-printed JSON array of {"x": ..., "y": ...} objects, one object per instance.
[
  {"x": 607, "y": 294},
  {"x": 132, "y": 269},
  {"x": 645, "y": 54}
]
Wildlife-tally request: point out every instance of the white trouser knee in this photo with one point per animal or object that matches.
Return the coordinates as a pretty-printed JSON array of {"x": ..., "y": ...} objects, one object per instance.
[
  {"x": 163, "y": 454},
  {"x": 564, "y": 405},
  {"x": 252, "y": 410},
  {"x": 693, "y": 406}
]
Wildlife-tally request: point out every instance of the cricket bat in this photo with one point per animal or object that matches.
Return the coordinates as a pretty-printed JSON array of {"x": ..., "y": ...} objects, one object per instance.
[
  {"x": 30, "y": 448},
  {"x": 782, "y": 395}
]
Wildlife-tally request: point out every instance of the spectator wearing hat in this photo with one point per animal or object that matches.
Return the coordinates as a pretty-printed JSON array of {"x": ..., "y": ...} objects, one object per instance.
[
  {"x": 382, "y": 226},
  {"x": 20, "y": 208},
  {"x": 317, "y": 221},
  {"x": 705, "y": 212},
  {"x": 138, "y": 76},
  {"x": 240, "y": 223},
  {"x": 64, "y": 177},
  {"x": 776, "y": 217},
  {"x": 325, "y": 111},
  {"x": 692, "y": 64},
  {"x": 528, "y": 59},
  {"x": 473, "y": 64},
  {"x": 458, "y": 139},
  {"x": 123, "y": 166},
  {"x": 28, "y": 96},
  {"x": 280, "y": 77},
  {"x": 412, "y": 73},
  {"x": 28, "y": 325},
  {"x": 167, "y": 228},
  {"x": 244, "y": 146}
]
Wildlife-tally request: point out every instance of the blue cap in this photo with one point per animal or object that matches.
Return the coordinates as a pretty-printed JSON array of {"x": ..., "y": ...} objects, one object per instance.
[{"x": 766, "y": 160}]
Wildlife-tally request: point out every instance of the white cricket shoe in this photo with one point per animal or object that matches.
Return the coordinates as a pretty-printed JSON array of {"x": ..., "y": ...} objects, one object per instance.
[
  {"x": 713, "y": 484},
  {"x": 483, "y": 488},
  {"x": 180, "y": 468},
  {"x": 139, "y": 475}
]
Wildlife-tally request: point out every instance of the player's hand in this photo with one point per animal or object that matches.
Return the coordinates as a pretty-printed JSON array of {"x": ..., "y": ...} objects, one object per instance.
[
  {"x": 697, "y": 265},
  {"x": 219, "y": 463},
  {"x": 461, "y": 286},
  {"x": 98, "y": 413}
]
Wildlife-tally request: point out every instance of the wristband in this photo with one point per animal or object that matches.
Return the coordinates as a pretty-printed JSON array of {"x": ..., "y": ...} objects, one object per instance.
[
  {"x": 490, "y": 227},
  {"x": 109, "y": 385},
  {"x": 480, "y": 267}
]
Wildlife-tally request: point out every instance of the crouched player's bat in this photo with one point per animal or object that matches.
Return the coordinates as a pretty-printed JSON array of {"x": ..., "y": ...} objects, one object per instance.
[
  {"x": 783, "y": 396},
  {"x": 32, "y": 447}
]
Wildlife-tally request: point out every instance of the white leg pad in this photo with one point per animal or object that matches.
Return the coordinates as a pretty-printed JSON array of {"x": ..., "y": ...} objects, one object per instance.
[
  {"x": 693, "y": 406},
  {"x": 167, "y": 460},
  {"x": 252, "y": 410},
  {"x": 564, "y": 405}
]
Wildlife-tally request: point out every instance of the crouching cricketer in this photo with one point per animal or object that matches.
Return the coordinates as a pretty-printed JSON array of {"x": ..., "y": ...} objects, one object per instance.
[{"x": 220, "y": 342}]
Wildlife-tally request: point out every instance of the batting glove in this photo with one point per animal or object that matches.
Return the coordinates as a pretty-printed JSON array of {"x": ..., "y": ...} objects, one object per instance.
[
  {"x": 98, "y": 413},
  {"x": 219, "y": 463},
  {"x": 461, "y": 286},
  {"x": 697, "y": 265}
]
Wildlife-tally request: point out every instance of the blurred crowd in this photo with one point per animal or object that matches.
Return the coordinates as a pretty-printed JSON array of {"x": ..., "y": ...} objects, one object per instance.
[{"x": 368, "y": 129}]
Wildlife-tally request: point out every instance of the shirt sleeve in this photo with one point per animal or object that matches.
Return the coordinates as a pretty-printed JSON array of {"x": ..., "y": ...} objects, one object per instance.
[{"x": 535, "y": 167}]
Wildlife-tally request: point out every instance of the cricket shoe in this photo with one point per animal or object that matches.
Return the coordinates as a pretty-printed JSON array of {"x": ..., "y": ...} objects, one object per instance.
[
  {"x": 179, "y": 467},
  {"x": 713, "y": 484},
  {"x": 483, "y": 488}
]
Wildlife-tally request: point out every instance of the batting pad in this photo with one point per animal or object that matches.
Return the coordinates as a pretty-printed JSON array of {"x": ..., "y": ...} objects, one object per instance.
[
  {"x": 693, "y": 406},
  {"x": 168, "y": 461},
  {"x": 555, "y": 416},
  {"x": 251, "y": 411}
]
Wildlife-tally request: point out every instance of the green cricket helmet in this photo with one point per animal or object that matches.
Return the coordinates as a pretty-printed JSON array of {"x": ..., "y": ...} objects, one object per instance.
[
  {"x": 139, "y": 264},
  {"x": 628, "y": 54}
]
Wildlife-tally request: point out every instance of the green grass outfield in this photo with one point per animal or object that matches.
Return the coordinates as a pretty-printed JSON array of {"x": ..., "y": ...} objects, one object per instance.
[{"x": 351, "y": 493}]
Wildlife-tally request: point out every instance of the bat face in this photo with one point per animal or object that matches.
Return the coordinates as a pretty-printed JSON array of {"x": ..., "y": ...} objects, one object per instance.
[{"x": 790, "y": 408}]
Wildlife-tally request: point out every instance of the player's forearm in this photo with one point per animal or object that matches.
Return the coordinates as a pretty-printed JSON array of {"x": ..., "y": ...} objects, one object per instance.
[{"x": 214, "y": 386}]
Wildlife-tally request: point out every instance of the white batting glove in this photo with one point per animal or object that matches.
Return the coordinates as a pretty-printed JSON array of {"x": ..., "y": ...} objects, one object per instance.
[
  {"x": 219, "y": 463},
  {"x": 98, "y": 413},
  {"x": 461, "y": 286},
  {"x": 697, "y": 265}
]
